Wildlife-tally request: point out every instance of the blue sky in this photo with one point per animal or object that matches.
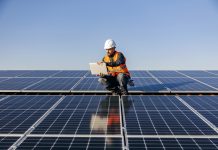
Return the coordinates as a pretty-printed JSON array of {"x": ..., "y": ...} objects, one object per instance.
[{"x": 68, "y": 34}]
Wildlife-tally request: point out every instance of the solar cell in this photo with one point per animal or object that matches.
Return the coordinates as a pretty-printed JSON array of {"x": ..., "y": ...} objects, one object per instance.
[
  {"x": 142, "y": 121},
  {"x": 197, "y": 73},
  {"x": 173, "y": 143},
  {"x": 167, "y": 73},
  {"x": 55, "y": 84},
  {"x": 18, "y": 83},
  {"x": 184, "y": 84},
  {"x": 147, "y": 84},
  {"x": 19, "y": 113},
  {"x": 89, "y": 84},
  {"x": 71, "y": 73},
  {"x": 71, "y": 143},
  {"x": 83, "y": 115},
  {"x": 6, "y": 142},
  {"x": 39, "y": 73}
]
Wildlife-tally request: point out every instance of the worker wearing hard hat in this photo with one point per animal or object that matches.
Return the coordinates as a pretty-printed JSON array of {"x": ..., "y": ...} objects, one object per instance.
[{"x": 119, "y": 76}]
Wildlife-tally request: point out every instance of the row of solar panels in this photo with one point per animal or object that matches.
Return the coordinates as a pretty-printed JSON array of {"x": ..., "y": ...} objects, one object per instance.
[
  {"x": 81, "y": 73},
  {"x": 95, "y": 122},
  {"x": 92, "y": 84}
]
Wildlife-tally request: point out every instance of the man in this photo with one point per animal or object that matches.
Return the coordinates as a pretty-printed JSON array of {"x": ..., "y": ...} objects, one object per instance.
[{"x": 119, "y": 76}]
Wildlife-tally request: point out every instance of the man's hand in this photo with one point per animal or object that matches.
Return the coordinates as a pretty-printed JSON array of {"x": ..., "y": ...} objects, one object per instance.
[
  {"x": 100, "y": 62},
  {"x": 101, "y": 75}
]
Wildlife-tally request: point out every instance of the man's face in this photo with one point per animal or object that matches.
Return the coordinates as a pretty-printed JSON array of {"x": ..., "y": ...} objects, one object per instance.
[{"x": 110, "y": 51}]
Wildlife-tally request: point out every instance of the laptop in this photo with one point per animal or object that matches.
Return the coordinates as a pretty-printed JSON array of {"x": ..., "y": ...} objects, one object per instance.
[{"x": 97, "y": 69}]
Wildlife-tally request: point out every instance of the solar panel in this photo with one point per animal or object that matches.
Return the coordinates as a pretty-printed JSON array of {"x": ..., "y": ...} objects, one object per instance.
[
  {"x": 39, "y": 73},
  {"x": 166, "y": 73},
  {"x": 205, "y": 105},
  {"x": 83, "y": 115},
  {"x": 89, "y": 84},
  {"x": 109, "y": 122},
  {"x": 184, "y": 84},
  {"x": 173, "y": 143},
  {"x": 162, "y": 122},
  {"x": 1, "y": 97},
  {"x": 154, "y": 103},
  {"x": 71, "y": 143},
  {"x": 2, "y": 79},
  {"x": 18, "y": 83},
  {"x": 12, "y": 73},
  {"x": 197, "y": 73},
  {"x": 147, "y": 84},
  {"x": 140, "y": 73},
  {"x": 133, "y": 73},
  {"x": 213, "y": 71},
  {"x": 202, "y": 102},
  {"x": 28, "y": 102},
  {"x": 18, "y": 113},
  {"x": 6, "y": 142},
  {"x": 210, "y": 81},
  {"x": 71, "y": 73},
  {"x": 55, "y": 84}
]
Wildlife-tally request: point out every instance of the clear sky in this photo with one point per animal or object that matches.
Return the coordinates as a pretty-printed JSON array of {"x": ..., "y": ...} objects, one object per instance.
[{"x": 68, "y": 34}]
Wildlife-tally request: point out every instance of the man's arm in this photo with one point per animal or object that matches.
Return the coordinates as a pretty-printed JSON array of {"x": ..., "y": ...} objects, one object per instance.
[{"x": 120, "y": 60}]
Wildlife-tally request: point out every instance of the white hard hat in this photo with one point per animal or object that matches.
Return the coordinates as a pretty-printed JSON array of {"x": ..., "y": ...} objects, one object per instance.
[{"x": 109, "y": 44}]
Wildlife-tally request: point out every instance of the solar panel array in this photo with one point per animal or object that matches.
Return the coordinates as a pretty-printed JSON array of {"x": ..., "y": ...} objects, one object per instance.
[
  {"x": 146, "y": 81},
  {"x": 109, "y": 122}
]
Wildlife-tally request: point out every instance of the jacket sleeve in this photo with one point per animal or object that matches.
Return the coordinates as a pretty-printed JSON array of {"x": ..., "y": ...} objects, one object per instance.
[{"x": 120, "y": 60}]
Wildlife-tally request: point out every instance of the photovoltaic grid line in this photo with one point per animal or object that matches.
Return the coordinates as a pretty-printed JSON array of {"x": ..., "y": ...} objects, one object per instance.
[
  {"x": 198, "y": 114},
  {"x": 67, "y": 143},
  {"x": 53, "y": 77},
  {"x": 207, "y": 106},
  {"x": 166, "y": 123},
  {"x": 211, "y": 72},
  {"x": 79, "y": 81},
  {"x": 39, "y": 73},
  {"x": 173, "y": 143},
  {"x": 18, "y": 113},
  {"x": 59, "y": 136},
  {"x": 6, "y": 142},
  {"x": 74, "y": 106},
  {"x": 198, "y": 73},
  {"x": 166, "y": 74},
  {"x": 215, "y": 72},
  {"x": 22, "y": 138},
  {"x": 3, "y": 98},
  {"x": 213, "y": 141},
  {"x": 197, "y": 80},
  {"x": 157, "y": 80}
]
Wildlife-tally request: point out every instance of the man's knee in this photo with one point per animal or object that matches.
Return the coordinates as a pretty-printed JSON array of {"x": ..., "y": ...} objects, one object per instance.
[{"x": 122, "y": 78}]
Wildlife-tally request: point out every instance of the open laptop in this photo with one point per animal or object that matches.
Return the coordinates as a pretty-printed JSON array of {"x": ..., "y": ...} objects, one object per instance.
[{"x": 97, "y": 69}]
